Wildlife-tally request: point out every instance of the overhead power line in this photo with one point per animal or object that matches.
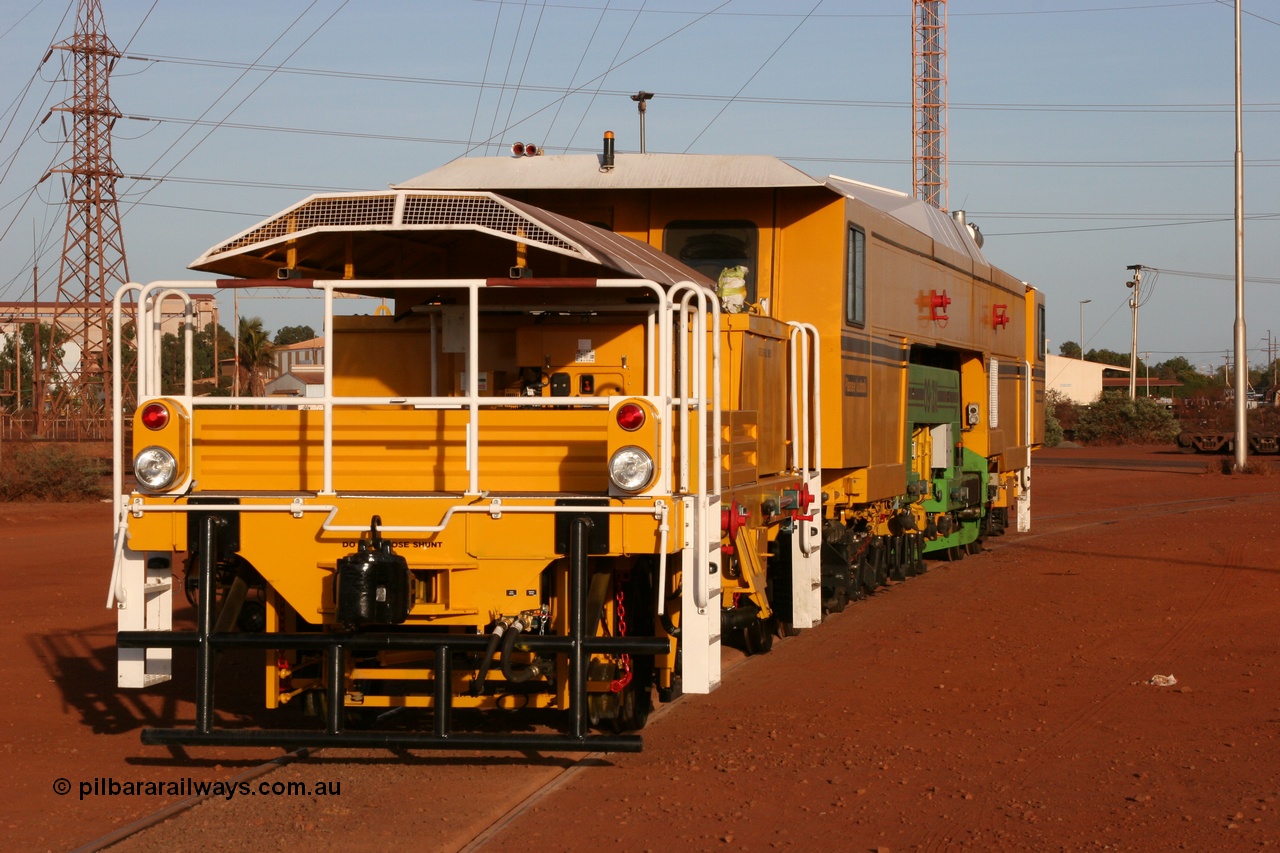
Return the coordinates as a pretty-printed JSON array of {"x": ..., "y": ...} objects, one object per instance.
[{"x": 1209, "y": 107}]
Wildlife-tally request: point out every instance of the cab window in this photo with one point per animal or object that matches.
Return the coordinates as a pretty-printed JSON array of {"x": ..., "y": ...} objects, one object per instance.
[
  {"x": 855, "y": 278},
  {"x": 712, "y": 246}
]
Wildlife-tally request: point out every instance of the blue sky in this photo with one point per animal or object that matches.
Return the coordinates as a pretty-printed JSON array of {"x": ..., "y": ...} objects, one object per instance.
[{"x": 1085, "y": 135}]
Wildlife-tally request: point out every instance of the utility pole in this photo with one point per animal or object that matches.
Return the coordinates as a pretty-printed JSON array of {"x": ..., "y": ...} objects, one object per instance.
[
  {"x": 37, "y": 365},
  {"x": 1136, "y": 284},
  {"x": 1271, "y": 357}
]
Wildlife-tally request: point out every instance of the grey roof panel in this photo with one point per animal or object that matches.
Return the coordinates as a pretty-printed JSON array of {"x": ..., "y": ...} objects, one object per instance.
[
  {"x": 631, "y": 171},
  {"x": 920, "y": 215}
]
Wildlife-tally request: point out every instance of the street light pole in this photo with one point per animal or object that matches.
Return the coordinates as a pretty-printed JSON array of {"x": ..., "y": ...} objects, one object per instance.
[
  {"x": 1083, "y": 302},
  {"x": 1238, "y": 329}
]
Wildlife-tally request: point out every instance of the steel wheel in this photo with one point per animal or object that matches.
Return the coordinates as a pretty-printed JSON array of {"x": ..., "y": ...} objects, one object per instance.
[{"x": 758, "y": 636}]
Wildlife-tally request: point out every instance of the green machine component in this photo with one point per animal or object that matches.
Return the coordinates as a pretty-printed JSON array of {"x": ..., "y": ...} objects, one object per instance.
[{"x": 953, "y": 492}]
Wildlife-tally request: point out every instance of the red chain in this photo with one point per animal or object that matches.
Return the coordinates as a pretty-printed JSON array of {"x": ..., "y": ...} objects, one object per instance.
[{"x": 625, "y": 661}]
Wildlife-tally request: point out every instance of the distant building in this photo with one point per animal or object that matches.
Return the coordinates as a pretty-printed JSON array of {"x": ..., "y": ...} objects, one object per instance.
[
  {"x": 204, "y": 311},
  {"x": 302, "y": 380},
  {"x": 204, "y": 308},
  {"x": 297, "y": 370},
  {"x": 1079, "y": 381},
  {"x": 302, "y": 353},
  {"x": 1144, "y": 387}
]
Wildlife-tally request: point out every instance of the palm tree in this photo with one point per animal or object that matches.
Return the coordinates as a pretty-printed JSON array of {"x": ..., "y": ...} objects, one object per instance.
[{"x": 255, "y": 354}]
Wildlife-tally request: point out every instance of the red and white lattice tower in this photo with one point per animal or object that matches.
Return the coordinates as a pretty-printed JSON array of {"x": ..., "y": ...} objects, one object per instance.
[
  {"x": 929, "y": 101},
  {"x": 93, "y": 260}
]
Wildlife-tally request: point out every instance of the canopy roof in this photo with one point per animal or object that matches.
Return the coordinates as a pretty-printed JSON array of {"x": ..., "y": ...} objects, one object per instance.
[{"x": 433, "y": 234}]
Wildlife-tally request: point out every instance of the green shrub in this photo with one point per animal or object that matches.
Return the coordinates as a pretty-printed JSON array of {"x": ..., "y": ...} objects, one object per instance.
[
  {"x": 51, "y": 473},
  {"x": 1053, "y": 433},
  {"x": 1115, "y": 419}
]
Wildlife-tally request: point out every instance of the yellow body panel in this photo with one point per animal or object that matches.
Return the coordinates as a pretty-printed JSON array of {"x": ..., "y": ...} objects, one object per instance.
[{"x": 399, "y": 450}]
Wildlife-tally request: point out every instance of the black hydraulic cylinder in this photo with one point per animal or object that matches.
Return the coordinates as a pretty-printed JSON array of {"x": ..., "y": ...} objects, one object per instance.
[
  {"x": 336, "y": 694},
  {"x": 444, "y": 683},
  {"x": 579, "y": 533},
  {"x": 205, "y": 624}
]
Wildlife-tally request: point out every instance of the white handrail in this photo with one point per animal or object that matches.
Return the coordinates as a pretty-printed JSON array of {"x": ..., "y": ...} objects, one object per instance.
[
  {"x": 153, "y": 293},
  {"x": 806, "y": 373},
  {"x": 710, "y": 427}
]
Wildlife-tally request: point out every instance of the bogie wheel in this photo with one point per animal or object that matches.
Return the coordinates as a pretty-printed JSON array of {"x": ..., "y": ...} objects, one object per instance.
[
  {"x": 838, "y": 601},
  {"x": 635, "y": 701},
  {"x": 974, "y": 547},
  {"x": 634, "y": 704},
  {"x": 955, "y": 553},
  {"x": 758, "y": 636}
]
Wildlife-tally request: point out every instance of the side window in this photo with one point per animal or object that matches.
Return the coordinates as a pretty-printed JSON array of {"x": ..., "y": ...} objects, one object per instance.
[
  {"x": 855, "y": 278},
  {"x": 1041, "y": 343},
  {"x": 712, "y": 246}
]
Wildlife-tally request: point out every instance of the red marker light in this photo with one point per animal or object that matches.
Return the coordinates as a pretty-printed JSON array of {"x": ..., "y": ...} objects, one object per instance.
[
  {"x": 155, "y": 416},
  {"x": 630, "y": 416},
  {"x": 517, "y": 148}
]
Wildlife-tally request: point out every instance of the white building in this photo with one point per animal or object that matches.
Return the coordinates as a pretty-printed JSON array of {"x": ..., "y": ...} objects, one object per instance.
[
  {"x": 303, "y": 353},
  {"x": 1077, "y": 380},
  {"x": 302, "y": 380}
]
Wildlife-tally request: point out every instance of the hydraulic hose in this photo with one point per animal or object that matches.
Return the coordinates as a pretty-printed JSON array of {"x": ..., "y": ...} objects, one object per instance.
[
  {"x": 518, "y": 676},
  {"x": 477, "y": 686}
]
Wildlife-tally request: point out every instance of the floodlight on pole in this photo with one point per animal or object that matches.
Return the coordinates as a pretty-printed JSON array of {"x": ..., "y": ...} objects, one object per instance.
[
  {"x": 1083, "y": 302},
  {"x": 642, "y": 98}
]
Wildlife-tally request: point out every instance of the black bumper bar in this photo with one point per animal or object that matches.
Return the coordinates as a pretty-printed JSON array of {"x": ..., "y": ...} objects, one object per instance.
[{"x": 577, "y": 646}]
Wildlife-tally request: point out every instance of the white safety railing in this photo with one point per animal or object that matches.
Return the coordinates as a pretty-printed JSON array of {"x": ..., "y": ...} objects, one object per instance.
[
  {"x": 804, "y": 353},
  {"x": 662, "y": 366}
]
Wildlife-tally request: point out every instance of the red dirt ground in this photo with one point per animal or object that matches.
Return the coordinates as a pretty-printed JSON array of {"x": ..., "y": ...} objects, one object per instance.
[{"x": 1000, "y": 703}]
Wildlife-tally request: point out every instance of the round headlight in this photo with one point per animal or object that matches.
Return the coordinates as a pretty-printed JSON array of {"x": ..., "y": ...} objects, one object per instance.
[
  {"x": 155, "y": 468},
  {"x": 631, "y": 469}
]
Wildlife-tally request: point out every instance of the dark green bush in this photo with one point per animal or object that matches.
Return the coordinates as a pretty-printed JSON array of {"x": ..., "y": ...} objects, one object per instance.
[
  {"x": 1053, "y": 434},
  {"x": 1115, "y": 419},
  {"x": 51, "y": 473}
]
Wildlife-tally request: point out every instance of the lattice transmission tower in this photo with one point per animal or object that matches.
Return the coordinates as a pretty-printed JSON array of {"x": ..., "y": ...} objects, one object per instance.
[
  {"x": 93, "y": 258},
  {"x": 929, "y": 101}
]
